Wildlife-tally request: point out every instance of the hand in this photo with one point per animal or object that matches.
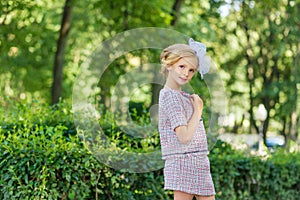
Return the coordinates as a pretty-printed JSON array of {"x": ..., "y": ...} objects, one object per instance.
[{"x": 197, "y": 102}]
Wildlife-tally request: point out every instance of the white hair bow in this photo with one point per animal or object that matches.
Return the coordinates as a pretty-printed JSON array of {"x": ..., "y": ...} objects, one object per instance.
[{"x": 204, "y": 61}]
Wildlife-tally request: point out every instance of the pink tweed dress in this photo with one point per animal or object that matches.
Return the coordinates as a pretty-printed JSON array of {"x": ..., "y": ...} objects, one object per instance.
[{"x": 187, "y": 166}]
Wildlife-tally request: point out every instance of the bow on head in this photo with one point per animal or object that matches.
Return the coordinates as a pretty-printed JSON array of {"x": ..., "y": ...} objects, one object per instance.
[{"x": 204, "y": 61}]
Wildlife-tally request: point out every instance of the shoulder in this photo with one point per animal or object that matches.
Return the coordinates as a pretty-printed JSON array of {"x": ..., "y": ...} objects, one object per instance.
[
  {"x": 168, "y": 95},
  {"x": 169, "y": 98}
]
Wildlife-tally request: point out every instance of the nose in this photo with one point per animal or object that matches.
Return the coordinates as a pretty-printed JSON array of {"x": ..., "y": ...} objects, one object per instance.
[{"x": 186, "y": 72}]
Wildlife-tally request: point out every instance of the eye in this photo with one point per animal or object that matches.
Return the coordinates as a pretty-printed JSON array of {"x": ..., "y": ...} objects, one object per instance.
[
  {"x": 181, "y": 66},
  {"x": 192, "y": 70}
]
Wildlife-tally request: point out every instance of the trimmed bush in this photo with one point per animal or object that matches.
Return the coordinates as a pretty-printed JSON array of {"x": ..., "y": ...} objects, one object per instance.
[
  {"x": 41, "y": 157},
  {"x": 238, "y": 176}
]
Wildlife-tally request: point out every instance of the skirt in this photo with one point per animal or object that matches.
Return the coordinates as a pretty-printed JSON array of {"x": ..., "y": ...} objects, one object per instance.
[{"x": 189, "y": 173}]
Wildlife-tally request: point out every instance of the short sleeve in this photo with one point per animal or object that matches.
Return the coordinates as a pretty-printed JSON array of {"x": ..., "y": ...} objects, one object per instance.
[{"x": 172, "y": 104}]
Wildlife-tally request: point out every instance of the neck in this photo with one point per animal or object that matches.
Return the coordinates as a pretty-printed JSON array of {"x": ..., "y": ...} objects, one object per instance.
[{"x": 172, "y": 86}]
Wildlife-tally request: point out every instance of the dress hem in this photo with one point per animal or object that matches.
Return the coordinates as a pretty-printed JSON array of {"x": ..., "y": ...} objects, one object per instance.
[{"x": 191, "y": 192}]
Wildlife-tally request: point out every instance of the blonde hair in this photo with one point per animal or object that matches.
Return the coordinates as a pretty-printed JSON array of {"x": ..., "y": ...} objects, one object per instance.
[{"x": 173, "y": 54}]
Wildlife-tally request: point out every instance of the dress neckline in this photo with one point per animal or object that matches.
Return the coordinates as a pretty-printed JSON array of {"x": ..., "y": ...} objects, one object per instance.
[{"x": 177, "y": 91}]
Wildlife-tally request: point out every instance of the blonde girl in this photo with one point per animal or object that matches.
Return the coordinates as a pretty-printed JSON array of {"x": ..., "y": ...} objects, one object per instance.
[{"x": 182, "y": 134}]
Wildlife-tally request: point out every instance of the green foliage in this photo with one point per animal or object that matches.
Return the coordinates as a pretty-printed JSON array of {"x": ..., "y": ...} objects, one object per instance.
[
  {"x": 28, "y": 34},
  {"x": 258, "y": 55},
  {"x": 42, "y": 158},
  {"x": 38, "y": 164},
  {"x": 251, "y": 177}
]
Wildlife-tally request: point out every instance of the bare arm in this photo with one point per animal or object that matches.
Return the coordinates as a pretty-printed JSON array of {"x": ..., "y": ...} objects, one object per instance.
[{"x": 186, "y": 133}]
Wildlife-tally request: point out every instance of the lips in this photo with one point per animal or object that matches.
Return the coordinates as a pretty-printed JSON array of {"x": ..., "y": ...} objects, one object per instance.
[{"x": 183, "y": 79}]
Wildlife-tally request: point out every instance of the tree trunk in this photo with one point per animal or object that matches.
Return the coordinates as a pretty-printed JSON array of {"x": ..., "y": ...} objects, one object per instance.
[
  {"x": 175, "y": 11},
  {"x": 295, "y": 119},
  {"x": 60, "y": 52},
  {"x": 250, "y": 78}
]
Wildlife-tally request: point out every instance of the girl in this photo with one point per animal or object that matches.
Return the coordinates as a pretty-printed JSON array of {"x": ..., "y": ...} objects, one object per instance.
[{"x": 182, "y": 134}]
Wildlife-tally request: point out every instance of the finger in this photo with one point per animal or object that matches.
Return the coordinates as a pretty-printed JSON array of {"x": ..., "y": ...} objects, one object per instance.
[{"x": 194, "y": 96}]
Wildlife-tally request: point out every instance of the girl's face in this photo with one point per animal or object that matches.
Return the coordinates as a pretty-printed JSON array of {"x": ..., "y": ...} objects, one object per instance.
[{"x": 182, "y": 72}]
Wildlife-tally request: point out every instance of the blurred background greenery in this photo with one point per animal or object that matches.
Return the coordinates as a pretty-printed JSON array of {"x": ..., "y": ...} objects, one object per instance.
[{"x": 255, "y": 45}]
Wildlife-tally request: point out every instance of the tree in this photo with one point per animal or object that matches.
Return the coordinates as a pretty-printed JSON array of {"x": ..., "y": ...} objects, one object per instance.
[
  {"x": 28, "y": 29},
  {"x": 60, "y": 52},
  {"x": 263, "y": 41}
]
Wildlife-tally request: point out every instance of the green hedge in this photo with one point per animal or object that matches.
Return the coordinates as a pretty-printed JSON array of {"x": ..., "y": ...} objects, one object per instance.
[
  {"x": 237, "y": 176},
  {"x": 41, "y": 157},
  {"x": 44, "y": 165}
]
